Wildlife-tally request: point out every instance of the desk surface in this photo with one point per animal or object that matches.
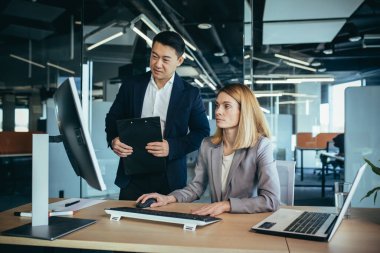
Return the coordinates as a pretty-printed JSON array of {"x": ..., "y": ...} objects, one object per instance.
[
  {"x": 333, "y": 156},
  {"x": 359, "y": 234}
]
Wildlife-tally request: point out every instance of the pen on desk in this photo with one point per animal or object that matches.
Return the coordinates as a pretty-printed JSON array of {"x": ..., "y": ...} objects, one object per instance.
[
  {"x": 23, "y": 214},
  {"x": 56, "y": 213},
  {"x": 72, "y": 203}
]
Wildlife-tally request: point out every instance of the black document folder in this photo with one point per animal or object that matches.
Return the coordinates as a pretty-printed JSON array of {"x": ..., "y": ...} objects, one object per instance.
[{"x": 137, "y": 133}]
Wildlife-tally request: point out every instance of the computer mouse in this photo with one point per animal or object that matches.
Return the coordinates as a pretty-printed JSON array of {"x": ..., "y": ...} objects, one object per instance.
[{"x": 146, "y": 204}]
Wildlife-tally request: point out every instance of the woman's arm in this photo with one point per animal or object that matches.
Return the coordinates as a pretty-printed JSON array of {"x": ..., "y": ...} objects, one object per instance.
[{"x": 196, "y": 188}]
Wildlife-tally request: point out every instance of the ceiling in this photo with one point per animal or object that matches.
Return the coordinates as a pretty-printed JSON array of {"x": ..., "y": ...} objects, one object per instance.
[{"x": 231, "y": 50}]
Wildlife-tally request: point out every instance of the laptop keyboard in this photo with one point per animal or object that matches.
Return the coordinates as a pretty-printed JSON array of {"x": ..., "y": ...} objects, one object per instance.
[{"x": 308, "y": 222}]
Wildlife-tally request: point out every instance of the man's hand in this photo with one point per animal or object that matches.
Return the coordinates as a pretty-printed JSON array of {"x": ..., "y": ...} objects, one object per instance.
[
  {"x": 159, "y": 149},
  {"x": 214, "y": 209},
  {"x": 120, "y": 148}
]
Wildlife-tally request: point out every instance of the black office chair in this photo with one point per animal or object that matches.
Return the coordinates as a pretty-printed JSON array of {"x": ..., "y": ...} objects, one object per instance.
[{"x": 331, "y": 165}]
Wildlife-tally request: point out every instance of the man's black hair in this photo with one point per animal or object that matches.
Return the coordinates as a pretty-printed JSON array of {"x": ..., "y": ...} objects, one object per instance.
[{"x": 171, "y": 39}]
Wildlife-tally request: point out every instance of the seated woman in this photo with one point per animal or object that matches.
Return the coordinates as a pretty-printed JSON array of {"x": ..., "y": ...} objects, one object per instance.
[{"x": 237, "y": 162}]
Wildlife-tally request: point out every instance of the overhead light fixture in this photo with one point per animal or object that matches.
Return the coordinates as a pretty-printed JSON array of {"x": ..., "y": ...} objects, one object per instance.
[
  {"x": 264, "y": 95},
  {"x": 328, "y": 49},
  {"x": 204, "y": 26},
  {"x": 149, "y": 23},
  {"x": 26, "y": 60},
  {"x": 264, "y": 110},
  {"x": 296, "y": 80},
  {"x": 316, "y": 64},
  {"x": 295, "y": 102},
  {"x": 322, "y": 70},
  {"x": 247, "y": 82},
  {"x": 354, "y": 32},
  {"x": 187, "y": 56},
  {"x": 300, "y": 66},
  {"x": 142, "y": 35},
  {"x": 247, "y": 56},
  {"x": 280, "y": 94},
  {"x": 272, "y": 81},
  {"x": 105, "y": 40},
  {"x": 292, "y": 59},
  {"x": 219, "y": 54},
  {"x": 371, "y": 40},
  {"x": 189, "y": 44},
  {"x": 265, "y": 61},
  {"x": 315, "y": 79},
  {"x": 60, "y": 68},
  {"x": 198, "y": 82},
  {"x": 206, "y": 81},
  {"x": 355, "y": 38}
]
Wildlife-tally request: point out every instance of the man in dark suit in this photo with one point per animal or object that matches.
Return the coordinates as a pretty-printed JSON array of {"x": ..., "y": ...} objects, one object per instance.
[{"x": 159, "y": 92}]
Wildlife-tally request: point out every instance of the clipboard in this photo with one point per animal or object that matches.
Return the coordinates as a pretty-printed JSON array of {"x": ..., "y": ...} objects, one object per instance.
[{"x": 137, "y": 133}]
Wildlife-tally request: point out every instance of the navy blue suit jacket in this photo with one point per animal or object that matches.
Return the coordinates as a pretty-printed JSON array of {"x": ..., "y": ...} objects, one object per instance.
[{"x": 186, "y": 123}]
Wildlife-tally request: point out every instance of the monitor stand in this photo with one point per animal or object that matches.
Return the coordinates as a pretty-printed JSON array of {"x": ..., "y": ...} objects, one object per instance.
[{"x": 43, "y": 227}]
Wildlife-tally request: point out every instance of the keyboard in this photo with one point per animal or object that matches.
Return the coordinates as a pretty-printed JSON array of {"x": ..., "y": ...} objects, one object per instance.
[
  {"x": 189, "y": 221},
  {"x": 308, "y": 222}
]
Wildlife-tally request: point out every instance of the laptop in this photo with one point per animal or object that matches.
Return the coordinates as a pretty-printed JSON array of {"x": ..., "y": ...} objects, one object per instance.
[{"x": 284, "y": 221}]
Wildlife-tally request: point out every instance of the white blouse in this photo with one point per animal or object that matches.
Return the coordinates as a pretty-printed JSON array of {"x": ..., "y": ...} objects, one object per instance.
[{"x": 226, "y": 165}]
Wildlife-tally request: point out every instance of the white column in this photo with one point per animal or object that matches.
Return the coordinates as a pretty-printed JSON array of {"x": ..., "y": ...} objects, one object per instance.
[{"x": 40, "y": 180}]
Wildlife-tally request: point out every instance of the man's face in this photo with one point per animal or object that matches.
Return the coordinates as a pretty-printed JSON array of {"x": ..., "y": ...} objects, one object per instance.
[{"x": 163, "y": 62}]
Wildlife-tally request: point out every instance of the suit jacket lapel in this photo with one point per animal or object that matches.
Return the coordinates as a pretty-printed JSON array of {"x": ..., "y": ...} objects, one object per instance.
[
  {"x": 239, "y": 154},
  {"x": 216, "y": 170},
  {"x": 139, "y": 94},
  {"x": 173, "y": 103}
]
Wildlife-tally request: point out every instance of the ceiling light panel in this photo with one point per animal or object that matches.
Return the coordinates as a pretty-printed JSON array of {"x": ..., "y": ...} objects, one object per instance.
[
  {"x": 297, "y": 32},
  {"x": 309, "y": 9}
]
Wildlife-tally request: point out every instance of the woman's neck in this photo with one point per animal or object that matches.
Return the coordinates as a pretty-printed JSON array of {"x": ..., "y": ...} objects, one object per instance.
[{"x": 229, "y": 137}]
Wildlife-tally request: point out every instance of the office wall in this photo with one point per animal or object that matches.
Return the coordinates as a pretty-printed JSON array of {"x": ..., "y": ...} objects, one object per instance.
[
  {"x": 281, "y": 126},
  {"x": 307, "y": 116},
  {"x": 362, "y": 139}
]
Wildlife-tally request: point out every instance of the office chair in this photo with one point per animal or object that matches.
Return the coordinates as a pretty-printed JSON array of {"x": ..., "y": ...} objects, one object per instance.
[
  {"x": 330, "y": 164},
  {"x": 286, "y": 173}
]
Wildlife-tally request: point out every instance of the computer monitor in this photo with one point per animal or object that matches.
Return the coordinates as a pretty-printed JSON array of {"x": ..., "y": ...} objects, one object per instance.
[
  {"x": 75, "y": 134},
  {"x": 79, "y": 149}
]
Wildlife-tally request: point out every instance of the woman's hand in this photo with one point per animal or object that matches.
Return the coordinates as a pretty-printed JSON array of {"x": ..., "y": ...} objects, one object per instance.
[
  {"x": 214, "y": 209},
  {"x": 162, "y": 200}
]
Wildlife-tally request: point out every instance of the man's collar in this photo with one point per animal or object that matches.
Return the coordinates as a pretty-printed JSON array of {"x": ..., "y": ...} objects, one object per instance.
[{"x": 167, "y": 84}]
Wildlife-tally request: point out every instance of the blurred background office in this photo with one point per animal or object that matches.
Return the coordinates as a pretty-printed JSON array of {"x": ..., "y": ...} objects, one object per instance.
[{"x": 314, "y": 66}]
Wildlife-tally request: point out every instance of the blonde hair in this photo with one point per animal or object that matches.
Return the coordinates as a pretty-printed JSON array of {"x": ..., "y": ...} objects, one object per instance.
[{"x": 252, "y": 123}]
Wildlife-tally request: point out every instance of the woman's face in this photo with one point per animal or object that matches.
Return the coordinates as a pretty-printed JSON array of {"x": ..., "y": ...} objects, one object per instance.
[{"x": 227, "y": 111}]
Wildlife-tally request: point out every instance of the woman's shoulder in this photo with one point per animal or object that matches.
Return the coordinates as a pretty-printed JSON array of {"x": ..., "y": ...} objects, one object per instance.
[
  {"x": 206, "y": 142},
  {"x": 262, "y": 142}
]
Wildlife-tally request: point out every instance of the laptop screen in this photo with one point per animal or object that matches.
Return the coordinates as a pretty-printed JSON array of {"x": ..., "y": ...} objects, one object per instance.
[{"x": 347, "y": 202}]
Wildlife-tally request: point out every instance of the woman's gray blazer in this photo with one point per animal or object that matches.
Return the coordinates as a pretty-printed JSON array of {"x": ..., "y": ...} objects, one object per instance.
[{"x": 252, "y": 184}]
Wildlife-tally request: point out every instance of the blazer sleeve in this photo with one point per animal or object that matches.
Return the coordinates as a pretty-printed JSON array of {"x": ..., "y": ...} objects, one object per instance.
[
  {"x": 268, "y": 188},
  {"x": 199, "y": 128},
  {"x": 117, "y": 111},
  {"x": 198, "y": 185}
]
